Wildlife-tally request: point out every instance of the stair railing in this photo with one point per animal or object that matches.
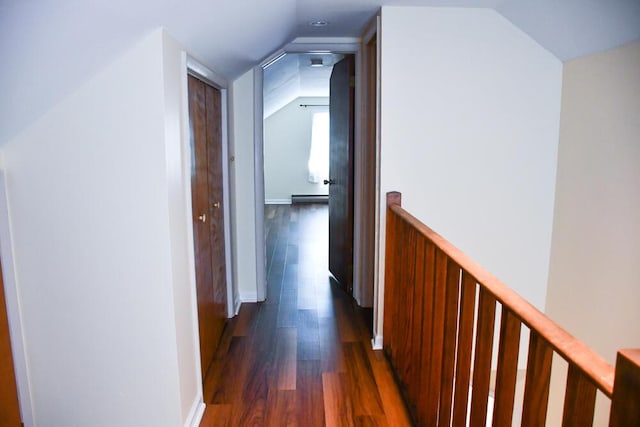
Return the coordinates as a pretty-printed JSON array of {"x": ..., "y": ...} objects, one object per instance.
[{"x": 439, "y": 319}]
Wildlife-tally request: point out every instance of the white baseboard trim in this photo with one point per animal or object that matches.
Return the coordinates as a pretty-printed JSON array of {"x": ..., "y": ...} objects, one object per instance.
[
  {"x": 236, "y": 308},
  {"x": 277, "y": 201},
  {"x": 195, "y": 414},
  {"x": 251, "y": 296},
  {"x": 376, "y": 342}
]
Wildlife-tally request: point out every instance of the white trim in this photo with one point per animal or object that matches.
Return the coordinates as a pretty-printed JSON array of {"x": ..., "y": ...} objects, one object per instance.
[
  {"x": 258, "y": 137},
  {"x": 199, "y": 69},
  {"x": 226, "y": 199},
  {"x": 376, "y": 342},
  {"x": 248, "y": 297},
  {"x": 333, "y": 45},
  {"x": 378, "y": 280},
  {"x": 277, "y": 201},
  {"x": 14, "y": 315},
  {"x": 195, "y": 414},
  {"x": 326, "y": 41},
  {"x": 273, "y": 58},
  {"x": 186, "y": 176},
  {"x": 237, "y": 307}
]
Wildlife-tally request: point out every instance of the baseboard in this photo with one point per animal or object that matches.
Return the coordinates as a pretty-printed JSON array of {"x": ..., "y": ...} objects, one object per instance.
[
  {"x": 309, "y": 198},
  {"x": 195, "y": 414},
  {"x": 277, "y": 201},
  {"x": 236, "y": 309},
  {"x": 251, "y": 296},
  {"x": 376, "y": 342}
]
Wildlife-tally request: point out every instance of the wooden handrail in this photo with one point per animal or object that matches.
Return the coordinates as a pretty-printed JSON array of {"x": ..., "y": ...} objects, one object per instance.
[
  {"x": 590, "y": 363},
  {"x": 430, "y": 301}
]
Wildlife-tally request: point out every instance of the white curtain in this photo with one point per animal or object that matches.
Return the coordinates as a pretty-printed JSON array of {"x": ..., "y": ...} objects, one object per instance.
[{"x": 319, "y": 153}]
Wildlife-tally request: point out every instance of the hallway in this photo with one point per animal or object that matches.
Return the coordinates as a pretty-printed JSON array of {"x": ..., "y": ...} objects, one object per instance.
[{"x": 303, "y": 357}]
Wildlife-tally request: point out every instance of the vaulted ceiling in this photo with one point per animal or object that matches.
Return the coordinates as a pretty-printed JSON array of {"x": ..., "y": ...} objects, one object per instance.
[{"x": 49, "y": 47}]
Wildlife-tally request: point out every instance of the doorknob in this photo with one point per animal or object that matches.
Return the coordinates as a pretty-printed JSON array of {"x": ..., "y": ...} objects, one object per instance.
[
  {"x": 216, "y": 205},
  {"x": 329, "y": 181},
  {"x": 203, "y": 217}
]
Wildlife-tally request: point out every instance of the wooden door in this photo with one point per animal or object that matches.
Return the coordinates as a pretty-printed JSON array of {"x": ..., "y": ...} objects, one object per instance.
[
  {"x": 341, "y": 113},
  {"x": 208, "y": 229},
  {"x": 9, "y": 406}
]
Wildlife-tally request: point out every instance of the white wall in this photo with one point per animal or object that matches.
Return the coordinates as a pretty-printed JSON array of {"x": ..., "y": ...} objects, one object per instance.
[
  {"x": 99, "y": 242},
  {"x": 595, "y": 252},
  {"x": 287, "y": 143},
  {"x": 242, "y": 176},
  {"x": 470, "y": 109},
  {"x": 178, "y": 170}
]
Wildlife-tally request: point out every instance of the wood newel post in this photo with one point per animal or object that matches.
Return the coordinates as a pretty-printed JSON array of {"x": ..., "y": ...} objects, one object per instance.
[
  {"x": 625, "y": 402},
  {"x": 390, "y": 291},
  {"x": 394, "y": 198}
]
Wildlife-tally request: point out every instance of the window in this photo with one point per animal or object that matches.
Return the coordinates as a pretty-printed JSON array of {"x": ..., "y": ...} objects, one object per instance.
[{"x": 319, "y": 153}]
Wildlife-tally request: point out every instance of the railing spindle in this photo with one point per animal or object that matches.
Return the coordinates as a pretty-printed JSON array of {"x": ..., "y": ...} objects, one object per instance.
[
  {"x": 482, "y": 362},
  {"x": 507, "y": 372},
  {"x": 536, "y": 388},
  {"x": 579, "y": 400},
  {"x": 418, "y": 311},
  {"x": 437, "y": 338},
  {"x": 465, "y": 346},
  {"x": 427, "y": 331},
  {"x": 449, "y": 345}
]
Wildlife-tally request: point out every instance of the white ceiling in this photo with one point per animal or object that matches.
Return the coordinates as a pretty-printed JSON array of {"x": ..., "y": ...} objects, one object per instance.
[{"x": 49, "y": 47}]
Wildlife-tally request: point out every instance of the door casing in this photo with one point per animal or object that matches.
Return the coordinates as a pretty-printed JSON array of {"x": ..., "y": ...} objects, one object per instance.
[{"x": 197, "y": 69}]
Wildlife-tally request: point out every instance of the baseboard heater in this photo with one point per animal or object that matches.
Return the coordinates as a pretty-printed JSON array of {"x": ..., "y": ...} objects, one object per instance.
[{"x": 309, "y": 198}]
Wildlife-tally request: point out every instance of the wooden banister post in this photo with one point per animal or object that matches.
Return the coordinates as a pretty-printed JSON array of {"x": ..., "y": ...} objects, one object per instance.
[
  {"x": 390, "y": 274},
  {"x": 625, "y": 403},
  {"x": 394, "y": 198}
]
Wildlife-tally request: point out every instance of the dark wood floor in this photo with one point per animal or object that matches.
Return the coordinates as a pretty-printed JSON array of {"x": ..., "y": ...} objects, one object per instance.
[{"x": 303, "y": 357}]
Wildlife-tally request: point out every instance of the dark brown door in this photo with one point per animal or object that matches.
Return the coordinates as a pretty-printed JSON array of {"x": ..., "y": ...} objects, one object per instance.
[
  {"x": 9, "y": 406},
  {"x": 208, "y": 230},
  {"x": 341, "y": 113}
]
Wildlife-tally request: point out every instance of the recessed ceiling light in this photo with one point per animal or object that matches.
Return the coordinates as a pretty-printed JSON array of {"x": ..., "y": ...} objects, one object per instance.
[{"x": 318, "y": 23}]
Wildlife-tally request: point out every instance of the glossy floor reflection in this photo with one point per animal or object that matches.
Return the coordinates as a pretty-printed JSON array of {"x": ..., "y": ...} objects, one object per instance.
[{"x": 303, "y": 357}]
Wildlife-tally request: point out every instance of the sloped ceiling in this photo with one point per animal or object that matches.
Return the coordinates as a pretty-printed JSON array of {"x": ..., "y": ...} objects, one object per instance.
[
  {"x": 293, "y": 76},
  {"x": 49, "y": 47}
]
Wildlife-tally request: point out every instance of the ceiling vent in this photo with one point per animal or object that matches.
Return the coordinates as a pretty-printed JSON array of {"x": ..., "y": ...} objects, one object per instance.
[{"x": 316, "y": 62}]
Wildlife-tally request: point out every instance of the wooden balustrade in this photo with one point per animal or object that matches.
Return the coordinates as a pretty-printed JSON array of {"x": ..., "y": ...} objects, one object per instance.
[{"x": 440, "y": 315}]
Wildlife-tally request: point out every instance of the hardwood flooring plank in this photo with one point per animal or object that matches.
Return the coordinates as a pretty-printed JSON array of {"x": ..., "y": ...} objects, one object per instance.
[
  {"x": 371, "y": 421},
  {"x": 361, "y": 384},
  {"x": 309, "y": 394},
  {"x": 395, "y": 410},
  {"x": 337, "y": 406},
  {"x": 245, "y": 321},
  {"x": 285, "y": 364},
  {"x": 345, "y": 320},
  {"x": 220, "y": 388},
  {"x": 217, "y": 416},
  {"x": 308, "y": 335},
  {"x": 331, "y": 354},
  {"x": 282, "y": 411}
]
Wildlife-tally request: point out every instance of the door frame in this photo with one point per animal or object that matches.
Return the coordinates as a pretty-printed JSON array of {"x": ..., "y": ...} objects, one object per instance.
[
  {"x": 13, "y": 308},
  {"x": 347, "y": 45},
  {"x": 202, "y": 72}
]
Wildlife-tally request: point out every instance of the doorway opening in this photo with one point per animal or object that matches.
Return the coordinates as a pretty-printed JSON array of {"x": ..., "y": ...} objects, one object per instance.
[
  {"x": 283, "y": 73},
  {"x": 308, "y": 150}
]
